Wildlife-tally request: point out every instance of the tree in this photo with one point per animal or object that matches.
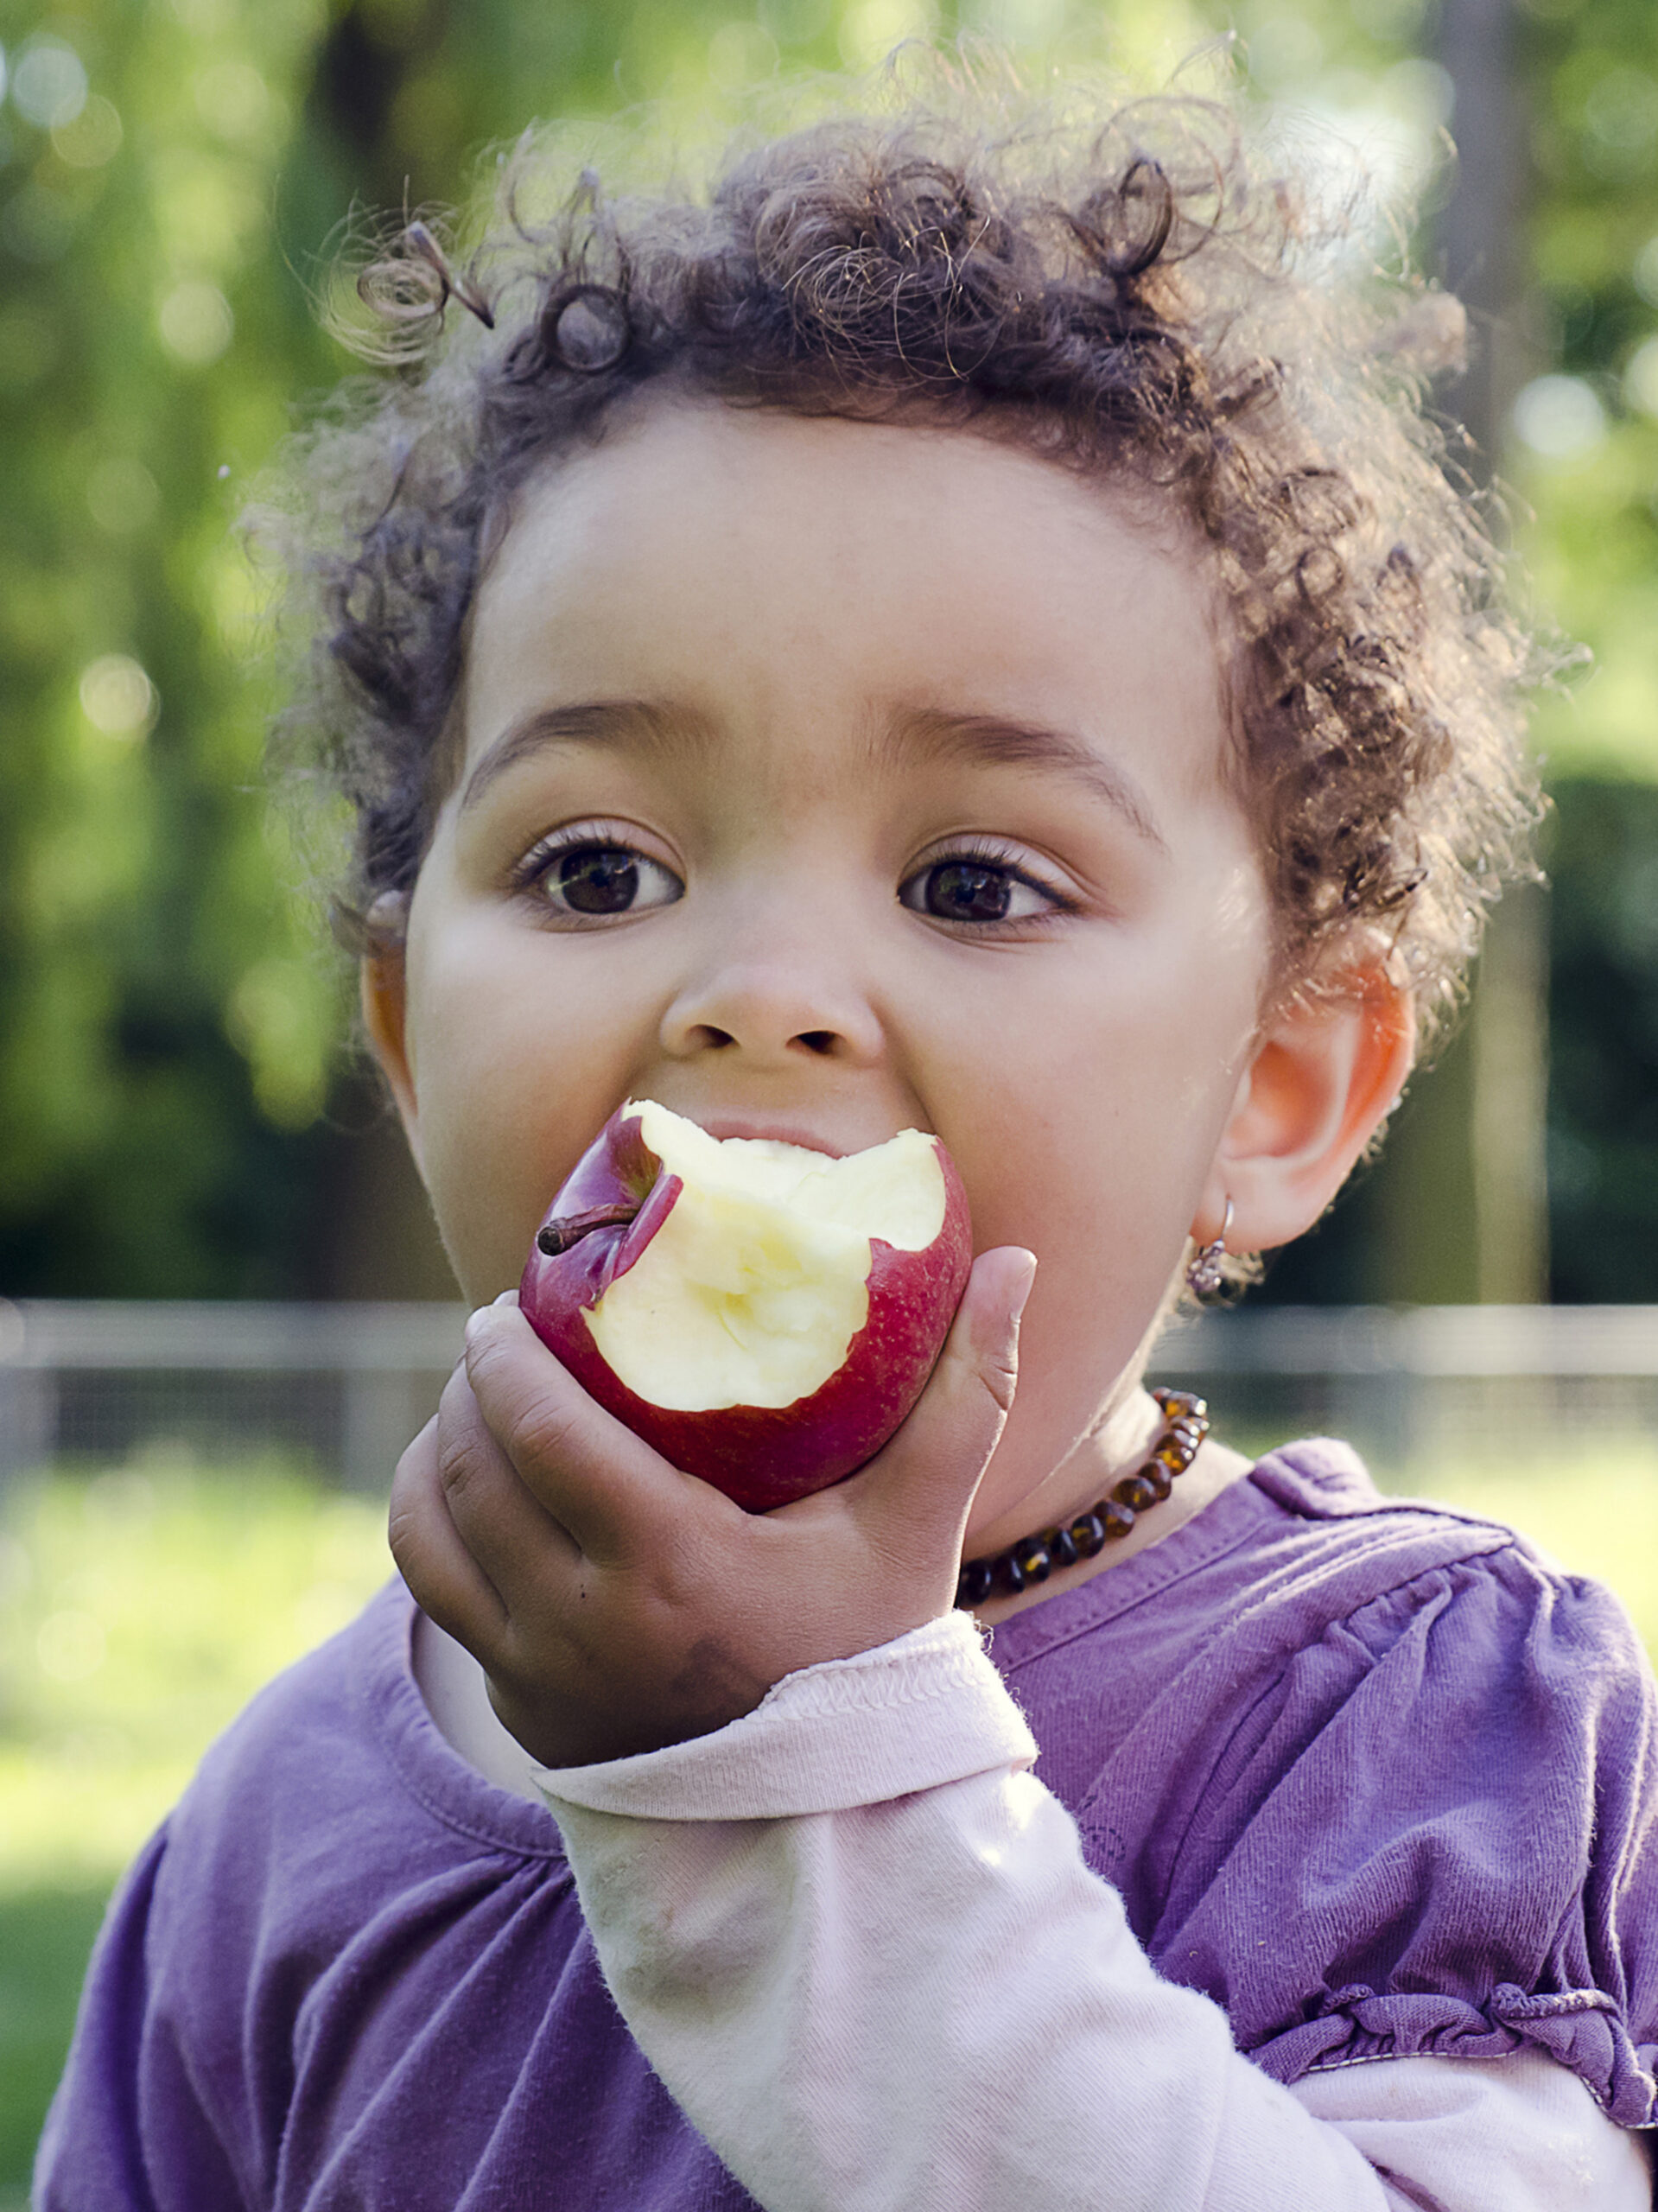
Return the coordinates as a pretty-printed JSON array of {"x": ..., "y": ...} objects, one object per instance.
[{"x": 176, "y": 1108}]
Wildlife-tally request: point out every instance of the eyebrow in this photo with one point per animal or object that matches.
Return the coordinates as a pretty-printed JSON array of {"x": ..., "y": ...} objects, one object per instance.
[
  {"x": 595, "y": 721},
  {"x": 996, "y": 740},
  {"x": 982, "y": 741}
]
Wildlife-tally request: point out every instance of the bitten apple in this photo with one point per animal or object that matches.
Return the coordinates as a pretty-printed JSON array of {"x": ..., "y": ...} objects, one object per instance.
[{"x": 762, "y": 1314}]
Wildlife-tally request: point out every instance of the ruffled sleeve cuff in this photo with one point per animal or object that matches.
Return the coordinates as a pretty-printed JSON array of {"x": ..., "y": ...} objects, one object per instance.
[{"x": 1583, "y": 2029}]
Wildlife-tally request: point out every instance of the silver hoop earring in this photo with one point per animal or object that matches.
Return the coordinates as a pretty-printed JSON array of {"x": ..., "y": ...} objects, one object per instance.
[{"x": 1204, "y": 1273}]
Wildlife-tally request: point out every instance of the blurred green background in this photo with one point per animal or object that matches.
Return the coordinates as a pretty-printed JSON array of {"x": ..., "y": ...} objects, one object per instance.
[{"x": 181, "y": 1113}]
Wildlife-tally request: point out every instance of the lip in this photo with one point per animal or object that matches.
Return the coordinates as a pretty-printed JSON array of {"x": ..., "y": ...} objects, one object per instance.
[{"x": 723, "y": 1126}]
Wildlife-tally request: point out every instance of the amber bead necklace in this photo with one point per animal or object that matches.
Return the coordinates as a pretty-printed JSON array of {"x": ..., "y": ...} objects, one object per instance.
[{"x": 1033, "y": 1559}]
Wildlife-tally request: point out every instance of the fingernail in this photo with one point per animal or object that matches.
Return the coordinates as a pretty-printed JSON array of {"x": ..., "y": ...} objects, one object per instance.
[{"x": 1022, "y": 1293}]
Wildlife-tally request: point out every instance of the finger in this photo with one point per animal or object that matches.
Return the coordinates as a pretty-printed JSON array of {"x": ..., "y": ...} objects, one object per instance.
[
  {"x": 508, "y": 1532},
  {"x": 444, "y": 1579},
  {"x": 595, "y": 1477},
  {"x": 926, "y": 1478}
]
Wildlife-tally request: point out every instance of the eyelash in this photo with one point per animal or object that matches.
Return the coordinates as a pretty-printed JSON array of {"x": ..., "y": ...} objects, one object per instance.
[
  {"x": 532, "y": 872},
  {"x": 981, "y": 852}
]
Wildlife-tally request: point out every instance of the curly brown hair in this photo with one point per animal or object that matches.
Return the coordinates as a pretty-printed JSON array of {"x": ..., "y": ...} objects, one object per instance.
[{"x": 1125, "y": 292}]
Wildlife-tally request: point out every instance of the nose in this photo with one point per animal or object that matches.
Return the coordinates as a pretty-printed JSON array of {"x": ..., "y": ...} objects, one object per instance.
[{"x": 773, "y": 1004}]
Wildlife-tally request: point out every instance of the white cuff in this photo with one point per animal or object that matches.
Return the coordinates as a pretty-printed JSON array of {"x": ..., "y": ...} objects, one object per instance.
[{"x": 926, "y": 1709}]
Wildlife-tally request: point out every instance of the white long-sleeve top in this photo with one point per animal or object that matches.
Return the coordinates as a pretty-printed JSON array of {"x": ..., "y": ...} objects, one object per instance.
[{"x": 859, "y": 1944}]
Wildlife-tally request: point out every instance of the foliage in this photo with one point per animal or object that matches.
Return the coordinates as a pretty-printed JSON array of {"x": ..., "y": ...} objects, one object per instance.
[
  {"x": 164, "y": 1025},
  {"x": 171, "y": 173},
  {"x": 1604, "y": 1114},
  {"x": 1587, "y": 453}
]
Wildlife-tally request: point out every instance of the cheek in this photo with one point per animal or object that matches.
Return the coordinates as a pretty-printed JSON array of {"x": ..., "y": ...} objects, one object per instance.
[
  {"x": 1086, "y": 1118},
  {"x": 516, "y": 1069},
  {"x": 1106, "y": 1107}
]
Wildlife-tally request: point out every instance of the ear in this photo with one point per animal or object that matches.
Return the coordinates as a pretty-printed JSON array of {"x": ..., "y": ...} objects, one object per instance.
[
  {"x": 385, "y": 1008},
  {"x": 1324, "y": 1076}
]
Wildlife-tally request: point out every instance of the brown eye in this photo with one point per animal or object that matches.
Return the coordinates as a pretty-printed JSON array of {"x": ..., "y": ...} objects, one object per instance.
[
  {"x": 600, "y": 879},
  {"x": 968, "y": 889}
]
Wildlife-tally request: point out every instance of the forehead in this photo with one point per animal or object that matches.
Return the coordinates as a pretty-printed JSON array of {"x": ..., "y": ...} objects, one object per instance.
[{"x": 755, "y": 563}]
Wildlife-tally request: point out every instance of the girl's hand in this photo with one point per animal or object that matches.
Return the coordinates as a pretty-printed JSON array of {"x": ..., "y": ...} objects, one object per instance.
[{"x": 617, "y": 1604}]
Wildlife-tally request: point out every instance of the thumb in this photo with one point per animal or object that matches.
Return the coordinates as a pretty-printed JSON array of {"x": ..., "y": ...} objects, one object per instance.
[{"x": 926, "y": 1479}]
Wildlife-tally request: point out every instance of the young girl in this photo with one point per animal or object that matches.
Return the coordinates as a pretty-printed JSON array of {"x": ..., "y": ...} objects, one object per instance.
[{"x": 965, "y": 630}]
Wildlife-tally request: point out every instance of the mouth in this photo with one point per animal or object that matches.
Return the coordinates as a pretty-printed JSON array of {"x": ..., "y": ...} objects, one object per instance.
[
  {"x": 558, "y": 1235},
  {"x": 724, "y": 1126}
]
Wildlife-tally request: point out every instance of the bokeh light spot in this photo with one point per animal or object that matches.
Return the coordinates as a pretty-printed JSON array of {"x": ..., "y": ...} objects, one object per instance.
[
  {"x": 93, "y": 138},
  {"x": 196, "y": 323},
  {"x": 740, "y": 54},
  {"x": 233, "y": 101},
  {"x": 1641, "y": 377},
  {"x": 48, "y": 84},
  {"x": 1559, "y": 417},
  {"x": 871, "y": 28},
  {"x": 117, "y": 697}
]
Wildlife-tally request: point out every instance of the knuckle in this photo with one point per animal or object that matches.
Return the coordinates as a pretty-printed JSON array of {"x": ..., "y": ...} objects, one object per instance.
[
  {"x": 402, "y": 1541},
  {"x": 539, "y": 1432},
  {"x": 457, "y": 1409},
  {"x": 532, "y": 1423},
  {"x": 499, "y": 1345},
  {"x": 485, "y": 1351},
  {"x": 457, "y": 1456},
  {"x": 999, "y": 1376}
]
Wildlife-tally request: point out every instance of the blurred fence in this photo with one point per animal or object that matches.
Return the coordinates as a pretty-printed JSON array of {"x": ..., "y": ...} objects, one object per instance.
[
  {"x": 343, "y": 1386},
  {"x": 1426, "y": 1383},
  {"x": 346, "y": 1386}
]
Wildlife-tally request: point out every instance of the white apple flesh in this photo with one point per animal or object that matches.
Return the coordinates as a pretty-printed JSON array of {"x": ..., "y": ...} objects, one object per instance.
[{"x": 764, "y": 1314}]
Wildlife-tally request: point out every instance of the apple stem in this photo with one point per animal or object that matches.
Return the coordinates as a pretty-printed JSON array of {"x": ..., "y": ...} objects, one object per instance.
[{"x": 556, "y": 1236}]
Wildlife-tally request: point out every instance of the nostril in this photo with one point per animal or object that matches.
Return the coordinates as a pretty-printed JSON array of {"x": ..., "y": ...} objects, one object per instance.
[
  {"x": 817, "y": 1040},
  {"x": 711, "y": 1039}
]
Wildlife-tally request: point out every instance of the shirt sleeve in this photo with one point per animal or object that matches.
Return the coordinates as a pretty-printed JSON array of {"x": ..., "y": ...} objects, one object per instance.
[
  {"x": 128, "y": 2130},
  {"x": 1443, "y": 1811},
  {"x": 859, "y": 1944},
  {"x": 1514, "y": 2134}
]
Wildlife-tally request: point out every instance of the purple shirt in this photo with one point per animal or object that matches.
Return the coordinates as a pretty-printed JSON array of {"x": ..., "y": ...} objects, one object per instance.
[{"x": 1368, "y": 1773}]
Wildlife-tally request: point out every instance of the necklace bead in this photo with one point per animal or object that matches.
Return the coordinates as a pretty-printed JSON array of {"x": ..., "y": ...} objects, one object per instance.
[{"x": 1034, "y": 1557}]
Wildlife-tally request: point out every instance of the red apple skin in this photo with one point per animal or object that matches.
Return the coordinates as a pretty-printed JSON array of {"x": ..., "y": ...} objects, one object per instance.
[{"x": 760, "y": 1456}]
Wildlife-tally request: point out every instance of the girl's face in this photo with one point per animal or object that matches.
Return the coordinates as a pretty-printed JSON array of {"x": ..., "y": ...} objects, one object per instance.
[{"x": 823, "y": 779}]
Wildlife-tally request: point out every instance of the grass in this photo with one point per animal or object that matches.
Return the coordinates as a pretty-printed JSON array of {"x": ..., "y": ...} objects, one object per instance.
[
  {"x": 1595, "y": 1514},
  {"x": 46, "y": 1933},
  {"x": 140, "y": 1607},
  {"x": 139, "y": 1610}
]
